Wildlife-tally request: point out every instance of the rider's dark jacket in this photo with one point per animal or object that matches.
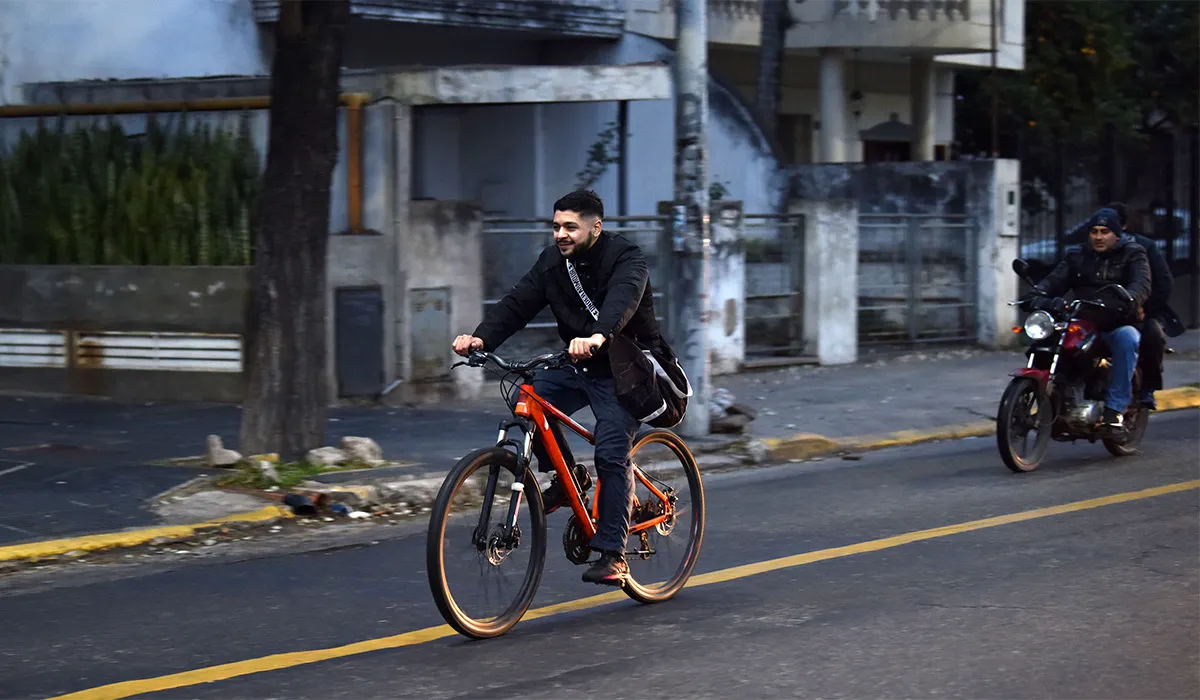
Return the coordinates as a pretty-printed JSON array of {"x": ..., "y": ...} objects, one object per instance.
[
  {"x": 1086, "y": 272},
  {"x": 615, "y": 276}
]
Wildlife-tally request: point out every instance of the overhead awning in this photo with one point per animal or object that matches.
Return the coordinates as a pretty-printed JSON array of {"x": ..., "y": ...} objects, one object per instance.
[{"x": 530, "y": 84}]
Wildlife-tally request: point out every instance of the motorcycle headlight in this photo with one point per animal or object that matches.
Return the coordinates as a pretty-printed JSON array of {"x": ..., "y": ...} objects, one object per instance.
[{"x": 1039, "y": 325}]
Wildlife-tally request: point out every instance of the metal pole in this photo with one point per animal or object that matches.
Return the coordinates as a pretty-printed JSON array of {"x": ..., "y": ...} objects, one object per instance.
[
  {"x": 623, "y": 156},
  {"x": 690, "y": 244},
  {"x": 992, "y": 79}
]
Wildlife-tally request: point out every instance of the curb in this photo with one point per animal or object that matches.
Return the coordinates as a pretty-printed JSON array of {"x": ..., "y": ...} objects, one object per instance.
[
  {"x": 806, "y": 445},
  {"x": 797, "y": 447},
  {"x": 46, "y": 549}
]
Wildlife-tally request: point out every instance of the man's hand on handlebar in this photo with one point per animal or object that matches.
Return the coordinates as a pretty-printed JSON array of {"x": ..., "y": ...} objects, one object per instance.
[
  {"x": 464, "y": 344},
  {"x": 583, "y": 348}
]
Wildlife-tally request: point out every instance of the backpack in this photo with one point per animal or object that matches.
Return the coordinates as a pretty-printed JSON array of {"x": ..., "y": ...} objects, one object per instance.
[{"x": 648, "y": 381}]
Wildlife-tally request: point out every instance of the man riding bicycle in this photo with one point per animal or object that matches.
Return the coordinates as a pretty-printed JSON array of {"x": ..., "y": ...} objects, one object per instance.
[
  {"x": 585, "y": 267},
  {"x": 1109, "y": 257}
]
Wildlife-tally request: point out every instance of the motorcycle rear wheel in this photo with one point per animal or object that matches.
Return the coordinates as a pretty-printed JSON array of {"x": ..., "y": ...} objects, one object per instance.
[
  {"x": 1137, "y": 419},
  {"x": 1023, "y": 409}
]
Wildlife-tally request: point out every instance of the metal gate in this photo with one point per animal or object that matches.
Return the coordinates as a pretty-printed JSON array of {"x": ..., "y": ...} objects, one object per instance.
[
  {"x": 917, "y": 278},
  {"x": 774, "y": 286},
  {"x": 510, "y": 247}
]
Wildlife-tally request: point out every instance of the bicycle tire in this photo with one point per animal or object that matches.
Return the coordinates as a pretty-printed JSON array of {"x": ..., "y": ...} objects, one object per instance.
[
  {"x": 665, "y": 590},
  {"x": 434, "y": 555}
]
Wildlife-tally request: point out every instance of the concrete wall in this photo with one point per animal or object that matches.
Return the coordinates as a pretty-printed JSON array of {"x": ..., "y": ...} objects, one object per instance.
[
  {"x": 121, "y": 298},
  {"x": 99, "y": 39},
  {"x": 977, "y": 190},
  {"x": 440, "y": 248}
]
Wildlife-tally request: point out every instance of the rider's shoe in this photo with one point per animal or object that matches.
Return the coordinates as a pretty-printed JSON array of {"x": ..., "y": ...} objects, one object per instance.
[
  {"x": 610, "y": 570},
  {"x": 1112, "y": 419},
  {"x": 1148, "y": 401},
  {"x": 555, "y": 496}
]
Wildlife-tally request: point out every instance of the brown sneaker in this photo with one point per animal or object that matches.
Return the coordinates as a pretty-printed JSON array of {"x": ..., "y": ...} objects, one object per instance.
[{"x": 610, "y": 570}]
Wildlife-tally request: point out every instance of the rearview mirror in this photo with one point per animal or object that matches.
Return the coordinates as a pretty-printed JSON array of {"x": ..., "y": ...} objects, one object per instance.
[{"x": 1022, "y": 268}]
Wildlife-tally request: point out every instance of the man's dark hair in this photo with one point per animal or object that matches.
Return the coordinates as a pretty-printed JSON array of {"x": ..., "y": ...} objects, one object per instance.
[
  {"x": 1118, "y": 207},
  {"x": 582, "y": 202}
]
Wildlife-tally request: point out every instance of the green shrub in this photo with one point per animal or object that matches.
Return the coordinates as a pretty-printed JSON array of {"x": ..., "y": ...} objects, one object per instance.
[{"x": 95, "y": 195}]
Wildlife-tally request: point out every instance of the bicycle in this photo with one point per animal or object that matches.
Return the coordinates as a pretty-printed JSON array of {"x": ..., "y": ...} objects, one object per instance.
[{"x": 499, "y": 477}]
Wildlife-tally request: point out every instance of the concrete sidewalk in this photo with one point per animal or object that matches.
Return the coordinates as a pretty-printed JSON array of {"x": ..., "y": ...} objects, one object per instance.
[{"x": 73, "y": 466}]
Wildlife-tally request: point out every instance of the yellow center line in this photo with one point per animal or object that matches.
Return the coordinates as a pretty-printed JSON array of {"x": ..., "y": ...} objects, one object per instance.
[{"x": 298, "y": 658}]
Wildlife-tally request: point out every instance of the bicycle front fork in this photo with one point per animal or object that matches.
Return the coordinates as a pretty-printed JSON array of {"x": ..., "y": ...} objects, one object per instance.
[{"x": 508, "y": 535}]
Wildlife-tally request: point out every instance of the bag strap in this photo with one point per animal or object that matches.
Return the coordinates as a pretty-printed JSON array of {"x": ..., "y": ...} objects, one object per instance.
[{"x": 587, "y": 301}]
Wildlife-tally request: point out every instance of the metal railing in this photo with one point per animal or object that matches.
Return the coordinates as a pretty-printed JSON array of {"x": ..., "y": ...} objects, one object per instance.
[
  {"x": 917, "y": 278},
  {"x": 774, "y": 284}
]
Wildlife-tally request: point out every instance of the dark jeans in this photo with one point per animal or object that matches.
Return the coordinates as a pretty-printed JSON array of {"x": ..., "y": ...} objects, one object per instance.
[
  {"x": 569, "y": 391},
  {"x": 1150, "y": 355}
]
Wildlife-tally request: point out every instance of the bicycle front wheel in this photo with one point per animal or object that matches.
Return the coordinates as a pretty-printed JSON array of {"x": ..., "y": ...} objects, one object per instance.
[
  {"x": 484, "y": 568},
  {"x": 661, "y": 557}
]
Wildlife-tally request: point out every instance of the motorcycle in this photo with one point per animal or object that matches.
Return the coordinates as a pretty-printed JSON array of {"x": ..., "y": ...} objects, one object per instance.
[{"x": 1059, "y": 394}]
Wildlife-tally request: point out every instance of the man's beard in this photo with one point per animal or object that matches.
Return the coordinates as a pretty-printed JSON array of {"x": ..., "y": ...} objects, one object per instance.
[{"x": 580, "y": 247}]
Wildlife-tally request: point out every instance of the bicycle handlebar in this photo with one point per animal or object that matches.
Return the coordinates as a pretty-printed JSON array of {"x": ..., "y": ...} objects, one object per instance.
[{"x": 550, "y": 360}]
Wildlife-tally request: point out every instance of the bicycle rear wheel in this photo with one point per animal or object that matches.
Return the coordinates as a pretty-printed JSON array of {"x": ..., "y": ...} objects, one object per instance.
[
  {"x": 661, "y": 558},
  {"x": 482, "y": 573}
]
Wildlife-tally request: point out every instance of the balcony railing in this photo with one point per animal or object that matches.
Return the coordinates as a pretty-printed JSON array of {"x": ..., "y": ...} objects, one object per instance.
[
  {"x": 937, "y": 26},
  {"x": 597, "y": 18},
  {"x": 933, "y": 10}
]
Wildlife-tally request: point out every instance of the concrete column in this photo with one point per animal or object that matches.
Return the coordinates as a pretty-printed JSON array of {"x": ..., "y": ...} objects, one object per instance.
[
  {"x": 923, "y": 87},
  {"x": 727, "y": 290},
  {"x": 830, "y": 279},
  {"x": 998, "y": 226},
  {"x": 540, "y": 206},
  {"x": 832, "y": 138}
]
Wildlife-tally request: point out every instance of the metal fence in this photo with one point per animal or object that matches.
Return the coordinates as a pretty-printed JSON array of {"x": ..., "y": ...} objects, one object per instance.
[
  {"x": 512, "y": 245},
  {"x": 917, "y": 278},
  {"x": 774, "y": 285}
]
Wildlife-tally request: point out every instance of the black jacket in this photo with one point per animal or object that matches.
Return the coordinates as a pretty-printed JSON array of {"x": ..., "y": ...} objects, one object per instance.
[
  {"x": 1160, "y": 273},
  {"x": 1085, "y": 272},
  {"x": 1161, "y": 280},
  {"x": 616, "y": 278}
]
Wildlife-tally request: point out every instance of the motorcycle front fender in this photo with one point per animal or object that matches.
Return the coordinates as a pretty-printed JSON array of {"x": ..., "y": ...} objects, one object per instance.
[{"x": 1041, "y": 376}]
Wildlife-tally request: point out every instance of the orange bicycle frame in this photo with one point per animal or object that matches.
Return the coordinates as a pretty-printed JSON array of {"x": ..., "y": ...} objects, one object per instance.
[{"x": 539, "y": 411}]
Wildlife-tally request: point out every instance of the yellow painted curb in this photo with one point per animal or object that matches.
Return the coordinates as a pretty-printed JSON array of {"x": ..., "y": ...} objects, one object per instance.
[
  {"x": 34, "y": 551},
  {"x": 805, "y": 445},
  {"x": 1175, "y": 399}
]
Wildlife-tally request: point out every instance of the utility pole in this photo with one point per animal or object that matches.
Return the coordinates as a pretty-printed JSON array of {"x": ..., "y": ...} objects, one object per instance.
[{"x": 688, "y": 304}]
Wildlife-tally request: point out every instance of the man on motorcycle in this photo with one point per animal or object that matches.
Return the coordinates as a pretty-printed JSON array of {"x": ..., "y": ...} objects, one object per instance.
[
  {"x": 584, "y": 260},
  {"x": 1109, "y": 257},
  {"x": 1159, "y": 315}
]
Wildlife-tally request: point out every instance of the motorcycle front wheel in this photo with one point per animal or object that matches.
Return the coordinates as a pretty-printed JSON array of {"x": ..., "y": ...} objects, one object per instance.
[{"x": 1023, "y": 410}]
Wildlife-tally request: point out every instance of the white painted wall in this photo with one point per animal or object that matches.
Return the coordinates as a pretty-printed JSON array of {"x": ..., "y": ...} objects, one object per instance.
[
  {"x": 1010, "y": 39},
  {"x": 52, "y": 40},
  {"x": 517, "y": 162}
]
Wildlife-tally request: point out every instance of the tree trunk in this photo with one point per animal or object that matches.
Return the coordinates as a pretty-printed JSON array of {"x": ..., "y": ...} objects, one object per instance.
[
  {"x": 775, "y": 22},
  {"x": 286, "y": 394}
]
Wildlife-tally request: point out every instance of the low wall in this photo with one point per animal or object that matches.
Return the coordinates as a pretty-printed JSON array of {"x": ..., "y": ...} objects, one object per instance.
[{"x": 137, "y": 333}]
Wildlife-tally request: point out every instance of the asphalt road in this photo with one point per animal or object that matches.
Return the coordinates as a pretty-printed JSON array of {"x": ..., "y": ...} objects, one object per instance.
[{"x": 1096, "y": 602}]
